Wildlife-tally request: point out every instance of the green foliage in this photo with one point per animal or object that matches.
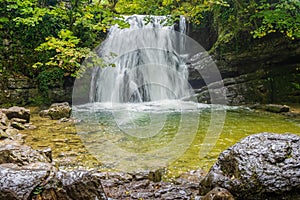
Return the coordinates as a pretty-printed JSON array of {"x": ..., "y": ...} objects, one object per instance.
[
  {"x": 67, "y": 55},
  {"x": 297, "y": 77},
  {"x": 20, "y": 39},
  {"x": 70, "y": 28},
  {"x": 50, "y": 78},
  {"x": 245, "y": 20},
  {"x": 296, "y": 85},
  {"x": 50, "y": 34},
  {"x": 193, "y": 9},
  {"x": 38, "y": 190},
  {"x": 282, "y": 16}
]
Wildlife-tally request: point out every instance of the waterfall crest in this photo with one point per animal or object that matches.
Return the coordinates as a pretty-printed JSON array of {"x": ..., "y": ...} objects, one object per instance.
[{"x": 148, "y": 63}]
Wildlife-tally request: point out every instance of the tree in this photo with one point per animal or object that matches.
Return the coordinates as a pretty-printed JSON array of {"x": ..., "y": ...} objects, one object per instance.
[
  {"x": 71, "y": 30},
  {"x": 192, "y": 9}
]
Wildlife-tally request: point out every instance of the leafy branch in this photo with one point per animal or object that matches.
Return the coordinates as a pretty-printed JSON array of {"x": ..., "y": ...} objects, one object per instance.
[{"x": 68, "y": 55}]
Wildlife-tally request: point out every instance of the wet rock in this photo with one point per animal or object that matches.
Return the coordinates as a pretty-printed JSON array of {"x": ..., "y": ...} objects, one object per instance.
[
  {"x": 260, "y": 166},
  {"x": 18, "y": 125},
  {"x": 13, "y": 152},
  {"x": 139, "y": 185},
  {"x": 3, "y": 128},
  {"x": 18, "y": 120},
  {"x": 3, "y": 119},
  {"x": 28, "y": 174},
  {"x": 156, "y": 175},
  {"x": 292, "y": 114},
  {"x": 44, "y": 114},
  {"x": 59, "y": 110},
  {"x": 20, "y": 182},
  {"x": 62, "y": 120},
  {"x": 190, "y": 179},
  {"x": 77, "y": 184},
  {"x": 43, "y": 181},
  {"x": 47, "y": 152},
  {"x": 8, "y": 119},
  {"x": 276, "y": 108},
  {"x": 218, "y": 194},
  {"x": 3, "y": 135},
  {"x": 17, "y": 112},
  {"x": 29, "y": 126},
  {"x": 14, "y": 134},
  {"x": 142, "y": 175}
]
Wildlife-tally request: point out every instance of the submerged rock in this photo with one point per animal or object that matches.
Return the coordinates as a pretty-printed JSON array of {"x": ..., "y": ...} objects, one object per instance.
[
  {"x": 261, "y": 166},
  {"x": 190, "y": 179}
]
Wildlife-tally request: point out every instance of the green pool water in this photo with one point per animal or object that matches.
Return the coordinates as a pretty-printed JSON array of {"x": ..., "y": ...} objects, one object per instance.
[
  {"x": 238, "y": 124},
  {"x": 85, "y": 144}
]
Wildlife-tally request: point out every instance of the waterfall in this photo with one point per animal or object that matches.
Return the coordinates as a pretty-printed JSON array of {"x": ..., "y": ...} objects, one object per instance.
[
  {"x": 145, "y": 61},
  {"x": 139, "y": 108}
]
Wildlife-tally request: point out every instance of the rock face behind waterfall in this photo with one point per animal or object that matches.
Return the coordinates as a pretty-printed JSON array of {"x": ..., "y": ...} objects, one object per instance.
[{"x": 261, "y": 166}]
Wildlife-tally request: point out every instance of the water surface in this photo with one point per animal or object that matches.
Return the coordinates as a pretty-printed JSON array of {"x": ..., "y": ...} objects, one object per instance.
[{"x": 140, "y": 130}]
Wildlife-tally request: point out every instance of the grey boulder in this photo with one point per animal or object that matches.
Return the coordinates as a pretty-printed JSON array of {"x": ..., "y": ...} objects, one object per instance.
[
  {"x": 261, "y": 166},
  {"x": 57, "y": 111}
]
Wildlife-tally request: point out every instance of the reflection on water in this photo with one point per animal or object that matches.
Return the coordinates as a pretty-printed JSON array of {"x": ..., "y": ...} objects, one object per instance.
[
  {"x": 147, "y": 135},
  {"x": 147, "y": 130}
]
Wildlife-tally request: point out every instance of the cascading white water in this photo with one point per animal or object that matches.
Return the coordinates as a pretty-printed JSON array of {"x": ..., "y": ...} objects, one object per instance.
[
  {"x": 146, "y": 60},
  {"x": 146, "y": 63}
]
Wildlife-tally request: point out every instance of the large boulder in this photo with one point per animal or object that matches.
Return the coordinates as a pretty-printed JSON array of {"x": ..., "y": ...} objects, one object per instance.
[
  {"x": 59, "y": 110},
  {"x": 261, "y": 166},
  {"x": 26, "y": 174},
  {"x": 21, "y": 182},
  {"x": 42, "y": 181}
]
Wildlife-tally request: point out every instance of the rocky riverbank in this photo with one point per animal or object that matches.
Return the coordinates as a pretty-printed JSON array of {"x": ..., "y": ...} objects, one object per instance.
[
  {"x": 26, "y": 173},
  {"x": 260, "y": 166}
]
